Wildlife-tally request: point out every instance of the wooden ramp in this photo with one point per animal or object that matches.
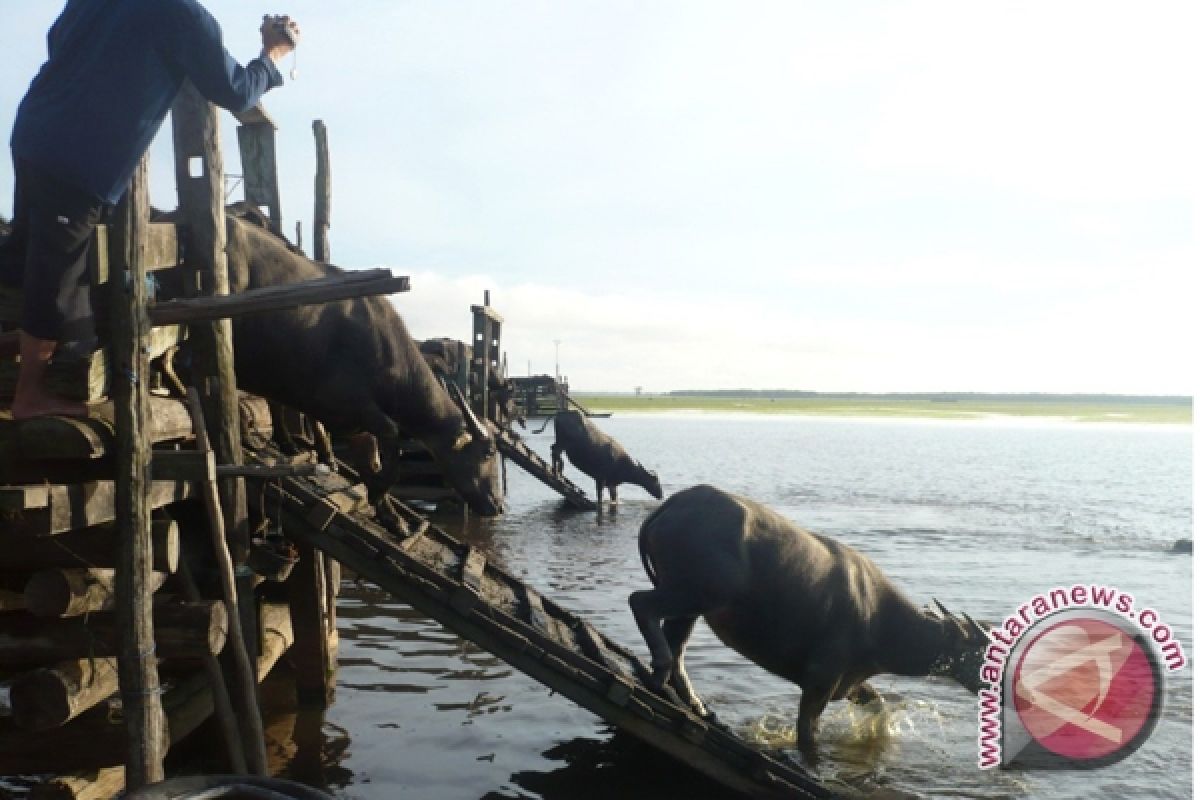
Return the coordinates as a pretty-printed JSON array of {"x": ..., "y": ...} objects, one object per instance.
[
  {"x": 453, "y": 583},
  {"x": 515, "y": 450}
]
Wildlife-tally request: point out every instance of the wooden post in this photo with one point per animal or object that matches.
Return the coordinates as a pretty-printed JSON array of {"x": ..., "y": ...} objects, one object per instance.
[
  {"x": 311, "y": 657},
  {"x": 137, "y": 662},
  {"x": 322, "y": 195},
  {"x": 260, "y": 178},
  {"x": 485, "y": 355},
  {"x": 199, "y": 179}
]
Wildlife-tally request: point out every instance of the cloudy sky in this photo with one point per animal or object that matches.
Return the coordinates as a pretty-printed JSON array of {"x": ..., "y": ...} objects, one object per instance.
[{"x": 890, "y": 196}]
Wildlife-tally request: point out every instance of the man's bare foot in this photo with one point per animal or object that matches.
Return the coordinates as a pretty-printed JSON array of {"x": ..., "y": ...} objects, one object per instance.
[{"x": 32, "y": 398}]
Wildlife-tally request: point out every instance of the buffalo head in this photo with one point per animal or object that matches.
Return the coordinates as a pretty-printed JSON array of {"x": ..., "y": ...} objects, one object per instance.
[
  {"x": 963, "y": 645},
  {"x": 471, "y": 462}
]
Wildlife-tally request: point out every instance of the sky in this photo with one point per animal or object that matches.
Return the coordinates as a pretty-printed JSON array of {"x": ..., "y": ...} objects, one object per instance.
[{"x": 851, "y": 196}]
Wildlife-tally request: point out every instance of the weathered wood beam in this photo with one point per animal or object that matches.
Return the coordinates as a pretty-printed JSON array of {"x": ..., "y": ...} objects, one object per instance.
[
  {"x": 83, "y": 505},
  {"x": 53, "y": 696},
  {"x": 73, "y": 592},
  {"x": 89, "y": 547},
  {"x": 181, "y": 630},
  {"x": 310, "y": 657},
  {"x": 136, "y": 661},
  {"x": 359, "y": 283},
  {"x": 260, "y": 180}
]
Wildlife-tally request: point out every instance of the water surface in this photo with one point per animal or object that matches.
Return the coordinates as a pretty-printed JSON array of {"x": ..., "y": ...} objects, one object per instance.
[{"x": 982, "y": 515}]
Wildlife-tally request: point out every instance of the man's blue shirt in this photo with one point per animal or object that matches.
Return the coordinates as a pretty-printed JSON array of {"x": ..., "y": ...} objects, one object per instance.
[{"x": 113, "y": 71}]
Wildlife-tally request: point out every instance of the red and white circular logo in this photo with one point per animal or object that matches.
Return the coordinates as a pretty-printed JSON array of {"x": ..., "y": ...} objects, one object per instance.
[{"x": 1087, "y": 690}]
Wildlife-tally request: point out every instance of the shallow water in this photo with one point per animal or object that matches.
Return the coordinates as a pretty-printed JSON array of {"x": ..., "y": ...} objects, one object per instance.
[{"x": 982, "y": 515}]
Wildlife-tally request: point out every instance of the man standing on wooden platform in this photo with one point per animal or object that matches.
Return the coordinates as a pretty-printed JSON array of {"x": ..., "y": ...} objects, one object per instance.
[{"x": 89, "y": 116}]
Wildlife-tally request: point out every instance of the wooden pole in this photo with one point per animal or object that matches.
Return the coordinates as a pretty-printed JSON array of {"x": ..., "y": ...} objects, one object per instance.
[
  {"x": 322, "y": 195},
  {"x": 244, "y": 674},
  {"x": 199, "y": 178},
  {"x": 137, "y": 663},
  {"x": 222, "y": 704}
]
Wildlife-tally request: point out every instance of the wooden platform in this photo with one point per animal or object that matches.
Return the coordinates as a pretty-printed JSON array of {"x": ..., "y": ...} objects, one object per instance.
[{"x": 456, "y": 585}]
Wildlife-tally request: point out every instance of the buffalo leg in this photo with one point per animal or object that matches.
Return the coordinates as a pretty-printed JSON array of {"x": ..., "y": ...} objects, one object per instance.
[
  {"x": 650, "y": 607},
  {"x": 556, "y": 459},
  {"x": 677, "y": 631},
  {"x": 599, "y": 495},
  {"x": 812, "y": 703},
  {"x": 612, "y": 494}
]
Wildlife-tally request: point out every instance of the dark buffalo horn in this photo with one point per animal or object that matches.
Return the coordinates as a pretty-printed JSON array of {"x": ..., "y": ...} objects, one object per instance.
[
  {"x": 982, "y": 631},
  {"x": 473, "y": 424}
]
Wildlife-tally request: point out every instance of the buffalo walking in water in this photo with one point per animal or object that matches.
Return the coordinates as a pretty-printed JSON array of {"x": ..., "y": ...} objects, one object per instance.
[{"x": 800, "y": 605}]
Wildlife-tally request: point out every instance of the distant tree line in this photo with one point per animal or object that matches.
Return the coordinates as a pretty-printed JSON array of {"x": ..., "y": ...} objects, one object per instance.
[{"x": 937, "y": 397}]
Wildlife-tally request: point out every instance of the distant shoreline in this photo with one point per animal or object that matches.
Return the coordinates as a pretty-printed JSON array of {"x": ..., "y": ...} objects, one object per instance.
[{"x": 1076, "y": 408}]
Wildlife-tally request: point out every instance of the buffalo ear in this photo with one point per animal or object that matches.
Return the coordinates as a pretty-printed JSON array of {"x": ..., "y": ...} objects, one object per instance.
[{"x": 462, "y": 441}]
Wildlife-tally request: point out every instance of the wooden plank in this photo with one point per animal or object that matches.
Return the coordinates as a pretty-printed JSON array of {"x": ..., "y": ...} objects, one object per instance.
[
  {"x": 342, "y": 286},
  {"x": 86, "y": 505}
]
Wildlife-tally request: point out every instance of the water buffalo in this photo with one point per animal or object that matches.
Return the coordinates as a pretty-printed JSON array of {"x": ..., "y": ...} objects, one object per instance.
[
  {"x": 598, "y": 455},
  {"x": 352, "y": 365},
  {"x": 798, "y": 604},
  {"x": 445, "y": 357}
]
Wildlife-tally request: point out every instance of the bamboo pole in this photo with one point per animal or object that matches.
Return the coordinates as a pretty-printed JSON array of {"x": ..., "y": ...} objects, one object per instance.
[
  {"x": 137, "y": 663},
  {"x": 244, "y": 671}
]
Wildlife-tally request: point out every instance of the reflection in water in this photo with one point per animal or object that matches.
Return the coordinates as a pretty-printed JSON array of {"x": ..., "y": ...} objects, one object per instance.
[
  {"x": 982, "y": 517},
  {"x": 616, "y": 766}
]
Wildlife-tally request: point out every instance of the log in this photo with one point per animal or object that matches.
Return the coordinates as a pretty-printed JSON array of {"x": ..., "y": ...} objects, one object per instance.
[
  {"x": 76, "y": 591},
  {"x": 94, "y": 739},
  {"x": 99, "y": 784},
  {"x": 53, "y": 696},
  {"x": 95, "y": 436},
  {"x": 75, "y": 506},
  {"x": 89, "y": 547},
  {"x": 11, "y": 601},
  {"x": 181, "y": 630},
  {"x": 192, "y": 704}
]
